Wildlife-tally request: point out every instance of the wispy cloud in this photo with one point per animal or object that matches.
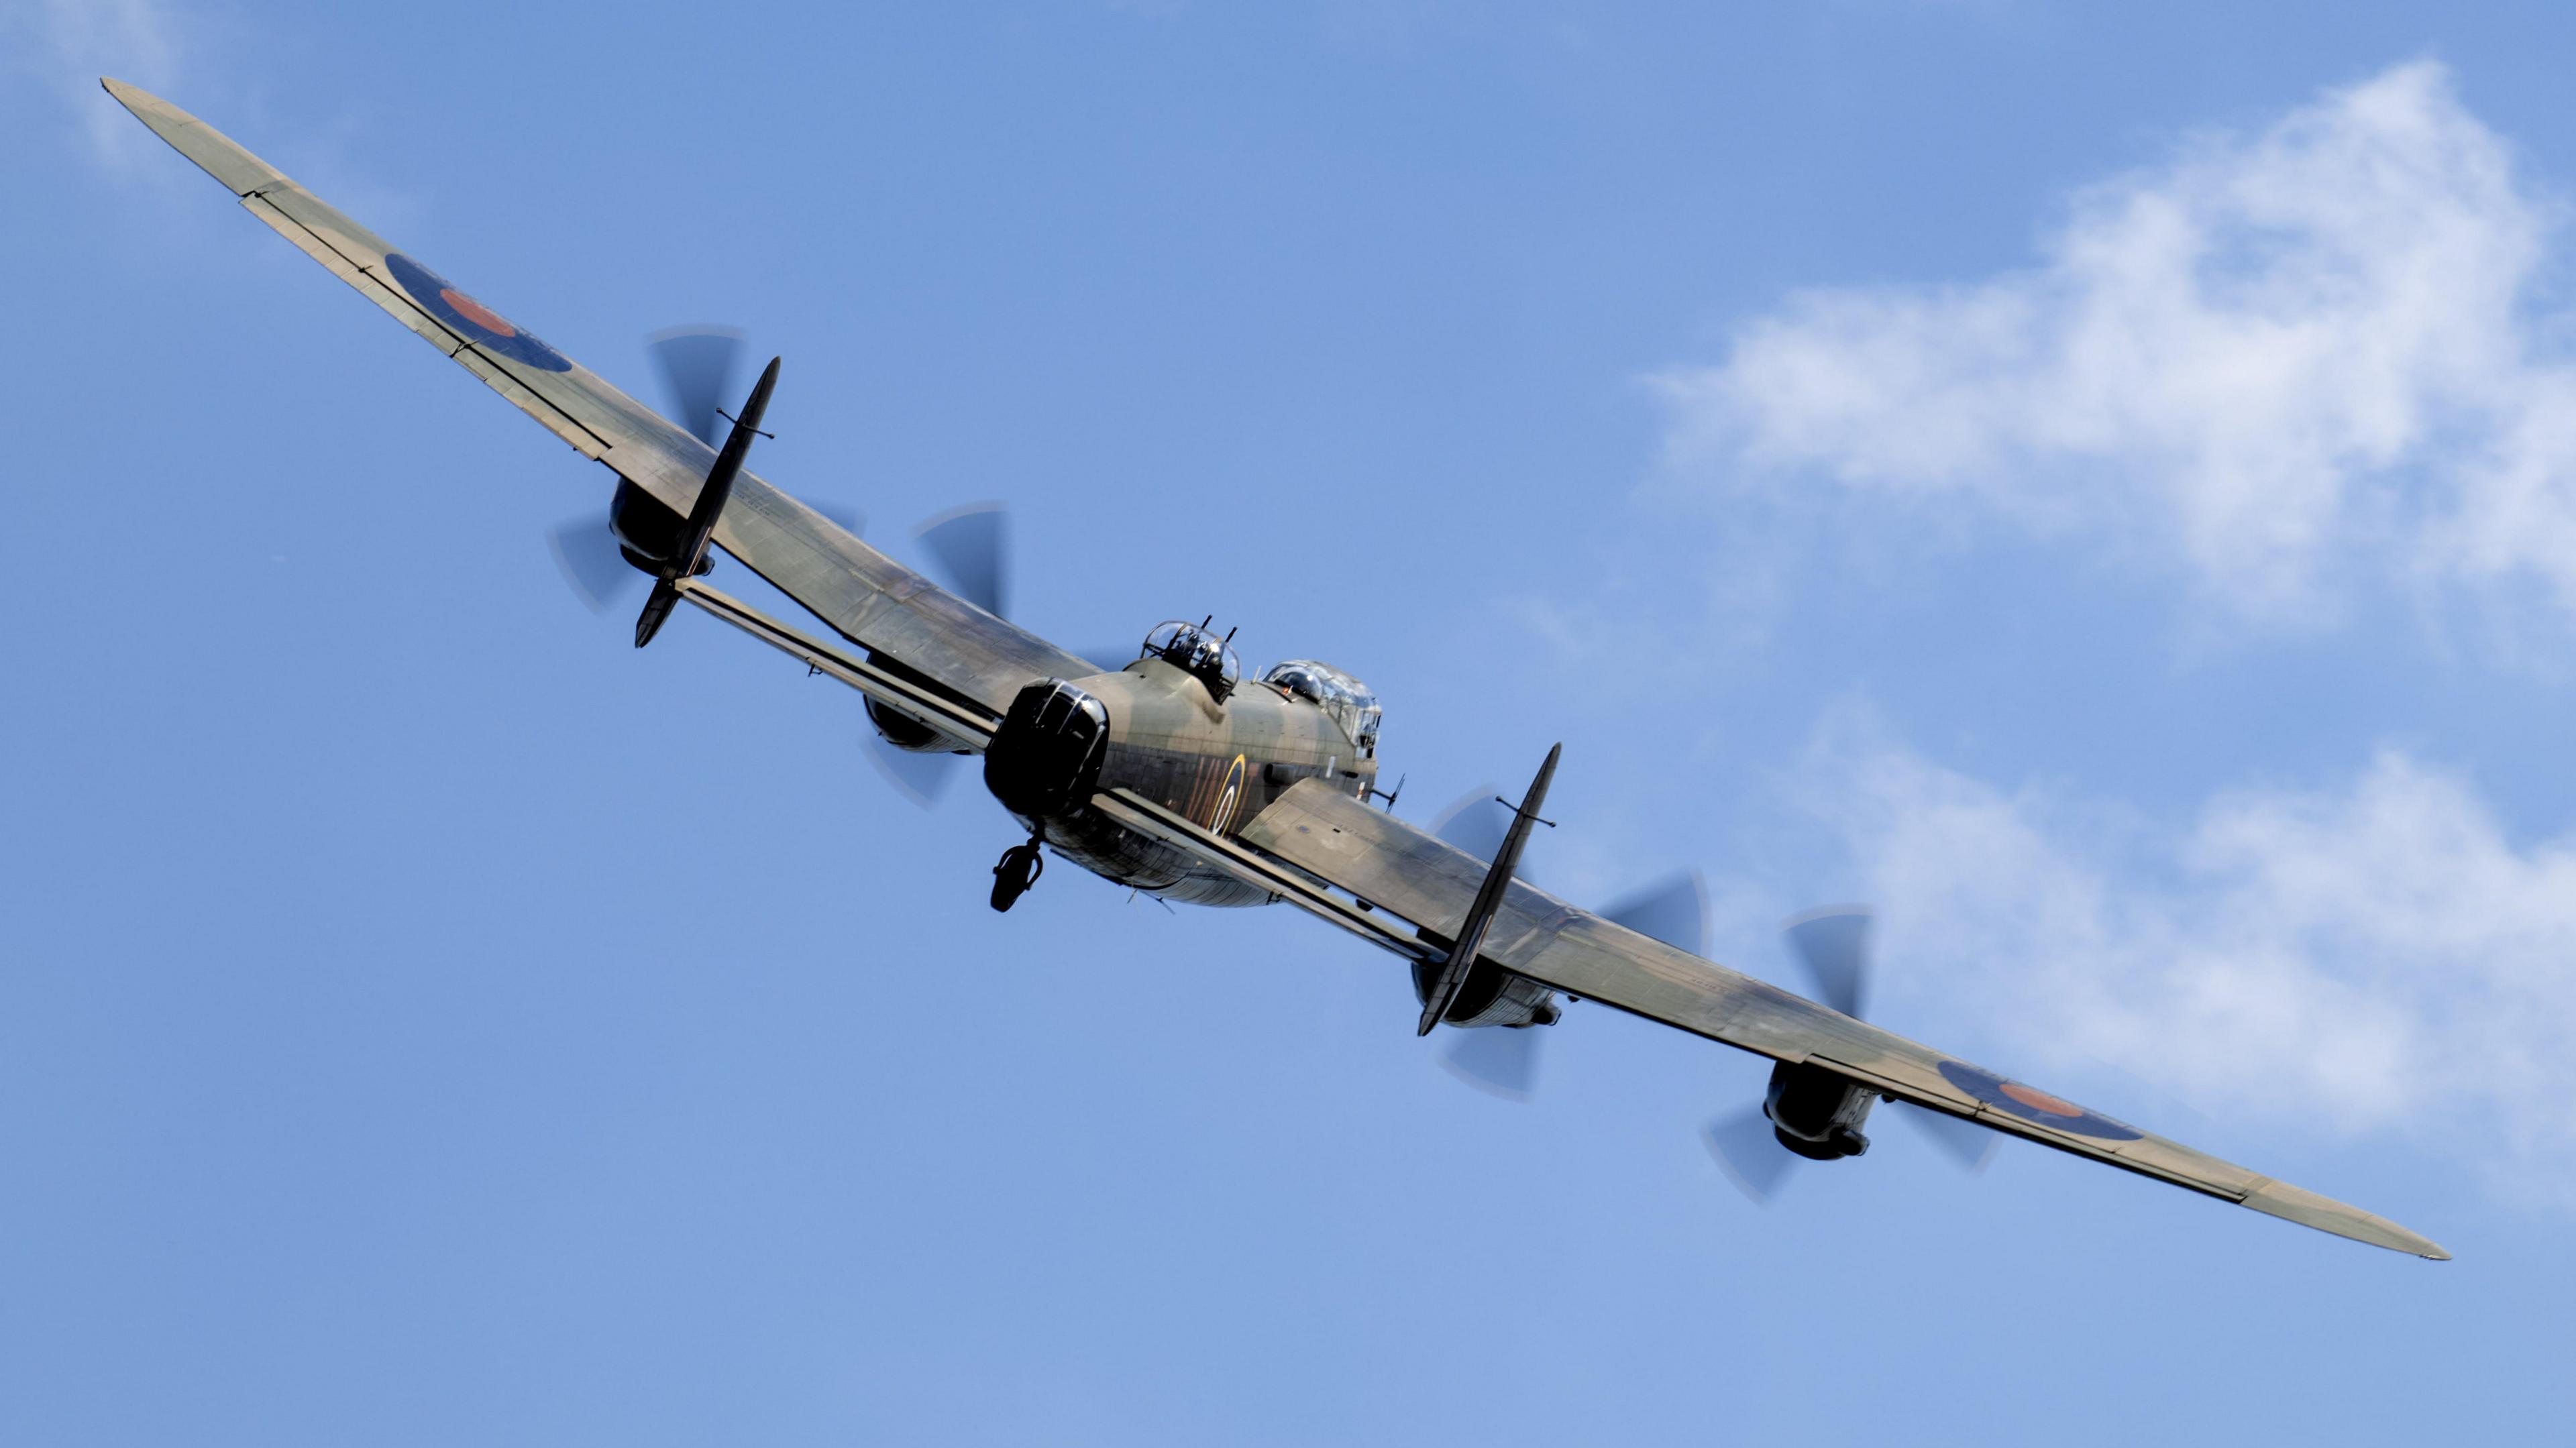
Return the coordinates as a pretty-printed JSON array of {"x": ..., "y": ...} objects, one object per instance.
[
  {"x": 66, "y": 45},
  {"x": 2285, "y": 358},
  {"x": 2374, "y": 956}
]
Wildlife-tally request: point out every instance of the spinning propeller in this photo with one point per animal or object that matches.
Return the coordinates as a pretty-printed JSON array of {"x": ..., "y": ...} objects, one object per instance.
[
  {"x": 1833, "y": 944},
  {"x": 700, "y": 369},
  {"x": 970, "y": 547},
  {"x": 1503, "y": 1060},
  {"x": 701, "y": 375}
]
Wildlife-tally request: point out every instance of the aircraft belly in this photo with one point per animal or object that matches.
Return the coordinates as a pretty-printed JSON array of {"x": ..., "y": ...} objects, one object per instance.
[
  {"x": 1112, "y": 851},
  {"x": 1217, "y": 792}
]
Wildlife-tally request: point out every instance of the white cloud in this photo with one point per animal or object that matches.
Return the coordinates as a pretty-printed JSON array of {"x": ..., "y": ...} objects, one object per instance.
[
  {"x": 2378, "y": 956},
  {"x": 2284, "y": 357},
  {"x": 68, "y": 44}
]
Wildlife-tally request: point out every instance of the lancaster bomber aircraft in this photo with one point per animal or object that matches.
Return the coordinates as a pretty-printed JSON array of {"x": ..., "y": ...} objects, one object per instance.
[{"x": 1175, "y": 775}]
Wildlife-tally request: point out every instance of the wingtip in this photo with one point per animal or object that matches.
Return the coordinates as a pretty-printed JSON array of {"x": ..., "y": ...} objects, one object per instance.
[
  {"x": 217, "y": 154},
  {"x": 2308, "y": 1209}
]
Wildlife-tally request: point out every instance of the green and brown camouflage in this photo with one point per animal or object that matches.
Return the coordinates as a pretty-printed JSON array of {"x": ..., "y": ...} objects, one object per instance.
[
  {"x": 1181, "y": 780},
  {"x": 1216, "y": 762}
]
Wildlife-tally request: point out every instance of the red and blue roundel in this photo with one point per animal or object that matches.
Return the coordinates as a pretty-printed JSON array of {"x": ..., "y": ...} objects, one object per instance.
[
  {"x": 2032, "y": 1104},
  {"x": 470, "y": 319}
]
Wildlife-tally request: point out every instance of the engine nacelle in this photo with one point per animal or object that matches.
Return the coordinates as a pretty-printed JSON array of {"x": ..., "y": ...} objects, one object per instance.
[
  {"x": 1817, "y": 1113},
  {"x": 900, "y": 729},
  {"x": 1491, "y": 996},
  {"x": 1046, "y": 757},
  {"x": 649, "y": 532},
  {"x": 905, "y": 732}
]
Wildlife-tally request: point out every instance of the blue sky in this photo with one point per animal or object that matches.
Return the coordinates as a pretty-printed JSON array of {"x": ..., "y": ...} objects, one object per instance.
[{"x": 2097, "y": 485}]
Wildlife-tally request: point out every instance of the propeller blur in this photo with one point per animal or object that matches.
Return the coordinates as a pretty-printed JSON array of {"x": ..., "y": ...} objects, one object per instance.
[
  {"x": 1174, "y": 772},
  {"x": 1502, "y": 1061},
  {"x": 1833, "y": 943}
]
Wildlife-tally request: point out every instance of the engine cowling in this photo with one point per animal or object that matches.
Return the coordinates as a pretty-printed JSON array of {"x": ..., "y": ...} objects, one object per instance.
[
  {"x": 905, "y": 732},
  {"x": 1046, "y": 757},
  {"x": 900, "y": 729},
  {"x": 1817, "y": 1113},
  {"x": 649, "y": 531},
  {"x": 1491, "y": 996}
]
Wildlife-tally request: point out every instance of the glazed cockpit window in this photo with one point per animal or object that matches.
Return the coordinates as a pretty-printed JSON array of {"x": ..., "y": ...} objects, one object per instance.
[
  {"x": 1345, "y": 699},
  {"x": 1191, "y": 648}
]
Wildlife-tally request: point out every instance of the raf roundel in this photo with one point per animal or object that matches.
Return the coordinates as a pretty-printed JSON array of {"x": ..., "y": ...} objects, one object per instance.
[
  {"x": 2032, "y": 1104},
  {"x": 470, "y": 319}
]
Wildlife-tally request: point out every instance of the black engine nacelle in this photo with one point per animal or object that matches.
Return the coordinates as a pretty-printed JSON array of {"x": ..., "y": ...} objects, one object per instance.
[
  {"x": 1046, "y": 757},
  {"x": 1817, "y": 1113},
  {"x": 900, "y": 729},
  {"x": 1491, "y": 996},
  {"x": 905, "y": 732},
  {"x": 649, "y": 533}
]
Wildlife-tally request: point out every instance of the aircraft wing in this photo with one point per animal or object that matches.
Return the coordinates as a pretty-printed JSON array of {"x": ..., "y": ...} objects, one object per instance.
[
  {"x": 959, "y": 667},
  {"x": 863, "y": 595},
  {"x": 1314, "y": 833}
]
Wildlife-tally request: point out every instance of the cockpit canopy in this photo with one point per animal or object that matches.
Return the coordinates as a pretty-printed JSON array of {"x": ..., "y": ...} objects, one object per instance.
[
  {"x": 1192, "y": 649},
  {"x": 1346, "y": 699}
]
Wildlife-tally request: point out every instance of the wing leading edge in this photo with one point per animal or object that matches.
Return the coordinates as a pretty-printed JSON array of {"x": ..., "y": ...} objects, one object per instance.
[
  {"x": 1408, "y": 872},
  {"x": 977, "y": 662},
  {"x": 863, "y": 595}
]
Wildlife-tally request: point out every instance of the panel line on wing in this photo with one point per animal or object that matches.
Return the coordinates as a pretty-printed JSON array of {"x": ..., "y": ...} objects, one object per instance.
[{"x": 363, "y": 277}]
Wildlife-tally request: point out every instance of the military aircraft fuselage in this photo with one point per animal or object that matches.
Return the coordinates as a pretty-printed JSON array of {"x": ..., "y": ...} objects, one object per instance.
[
  {"x": 1177, "y": 776},
  {"x": 1161, "y": 731}
]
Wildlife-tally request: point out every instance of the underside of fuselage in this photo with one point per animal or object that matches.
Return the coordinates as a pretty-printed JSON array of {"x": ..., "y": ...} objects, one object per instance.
[{"x": 1110, "y": 850}]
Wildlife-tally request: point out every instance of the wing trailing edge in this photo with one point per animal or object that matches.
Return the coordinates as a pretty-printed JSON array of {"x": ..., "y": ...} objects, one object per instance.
[
  {"x": 861, "y": 594},
  {"x": 1408, "y": 872}
]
